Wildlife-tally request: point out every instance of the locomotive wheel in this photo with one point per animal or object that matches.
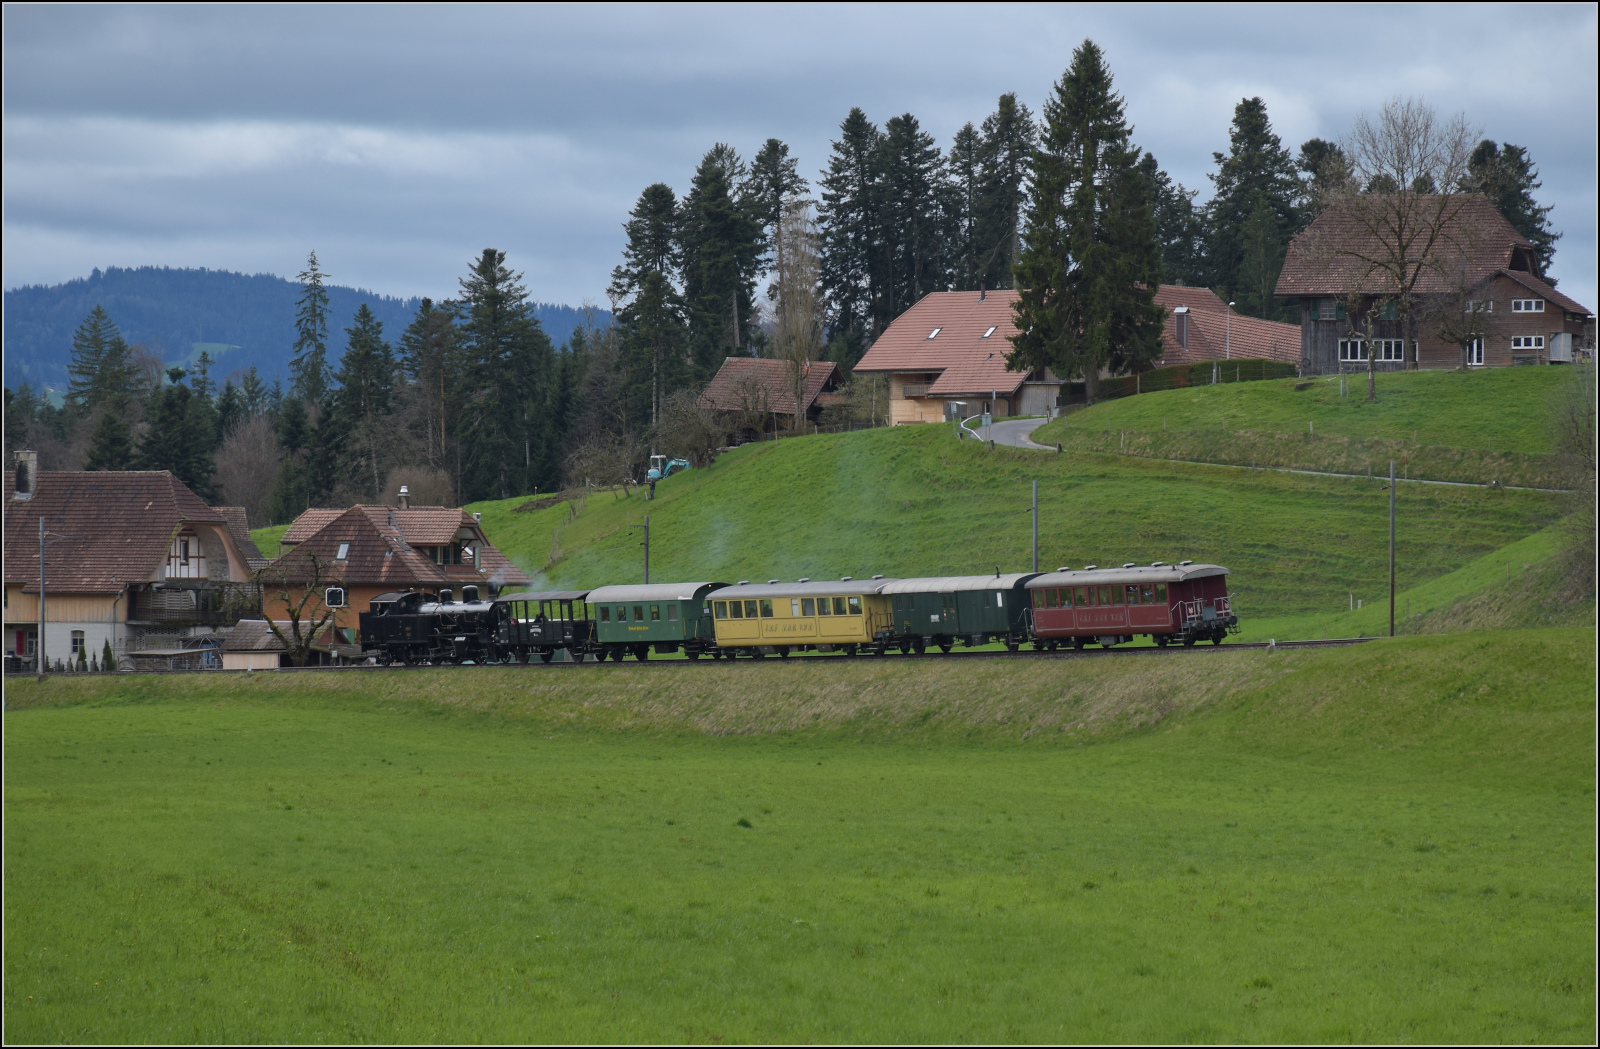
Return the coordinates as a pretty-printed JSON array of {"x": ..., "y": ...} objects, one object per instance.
[{"x": 1216, "y": 639}]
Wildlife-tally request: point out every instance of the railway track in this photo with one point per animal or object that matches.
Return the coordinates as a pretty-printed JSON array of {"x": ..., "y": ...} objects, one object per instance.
[{"x": 772, "y": 660}]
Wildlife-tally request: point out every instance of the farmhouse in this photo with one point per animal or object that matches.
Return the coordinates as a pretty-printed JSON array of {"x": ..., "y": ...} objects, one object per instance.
[
  {"x": 1339, "y": 271},
  {"x": 365, "y": 551},
  {"x": 760, "y": 394},
  {"x": 133, "y": 559}
]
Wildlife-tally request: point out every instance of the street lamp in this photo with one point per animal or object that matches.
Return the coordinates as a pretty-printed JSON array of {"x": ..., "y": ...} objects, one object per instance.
[{"x": 1227, "y": 335}]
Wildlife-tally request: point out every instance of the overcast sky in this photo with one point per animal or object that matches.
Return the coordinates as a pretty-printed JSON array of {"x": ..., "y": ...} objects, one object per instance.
[{"x": 400, "y": 141}]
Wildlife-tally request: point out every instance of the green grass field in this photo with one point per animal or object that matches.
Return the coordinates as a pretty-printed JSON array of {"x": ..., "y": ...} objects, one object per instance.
[
  {"x": 1393, "y": 842},
  {"x": 911, "y": 501},
  {"x": 1499, "y": 409}
]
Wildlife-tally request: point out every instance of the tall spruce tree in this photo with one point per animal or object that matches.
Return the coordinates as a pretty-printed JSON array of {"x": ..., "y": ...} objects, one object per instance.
[
  {"x": 101, "y": 368},
  {"x": 179, "y": 435},
  {"x": 1324, "y": 171},
  {"x": 364, "y": 400},
  {"x": 1179, "y": 231},
  {"x": 1257, "y": 167},
  {"x": 965, "y": 176},
  {"x": 850, "y": 220},
  {"x": 1089, "y": 264},
  {"x": 111, "y": 444},
  {"x": 308, "y": 368},
  {"x": 429, "y": 358},
  {"x": 1009, "y": 137},
  {"x": 721, "y": 240},
  {"x": 651, "y": 314},
  {"x": 508, "y": 446},
  {"x": 774, "y": 180},
  {"x": 915, "y": 228},
  {"x": 1263, "y": 257},
  {"x": 1508, "y": 178}
]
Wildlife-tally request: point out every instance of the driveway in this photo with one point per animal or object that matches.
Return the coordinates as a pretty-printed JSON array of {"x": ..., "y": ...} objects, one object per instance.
[{"x": 1017, "y": 433}]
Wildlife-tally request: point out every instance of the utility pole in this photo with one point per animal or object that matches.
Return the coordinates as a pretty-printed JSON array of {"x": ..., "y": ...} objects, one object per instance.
[
  {"x": 1391, "y": 548},
  {"x": 1036, "y": 526},
  {"x": 1227, "y": 335},
  {"x": 647, "y": 549},
  {"x": 38, "y": 650}
]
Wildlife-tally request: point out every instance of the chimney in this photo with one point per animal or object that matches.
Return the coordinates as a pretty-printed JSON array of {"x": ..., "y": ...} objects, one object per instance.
[
  {"x": 983, "y": 293},
  {"x": 1180, "y": 318},
  {"x": 405, "y": 498},
  {"x": 27, "y": 465}
]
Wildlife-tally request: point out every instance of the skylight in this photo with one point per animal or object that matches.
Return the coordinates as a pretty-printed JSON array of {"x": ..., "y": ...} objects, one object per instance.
[
  {"x": 990, "y": 332},
  {"x": 344, "y": 552},
  {"x": 934, "y": 332}
]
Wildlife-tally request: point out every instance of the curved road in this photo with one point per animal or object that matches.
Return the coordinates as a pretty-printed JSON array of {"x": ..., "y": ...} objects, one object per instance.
[{"x": 1017, "y": 433}]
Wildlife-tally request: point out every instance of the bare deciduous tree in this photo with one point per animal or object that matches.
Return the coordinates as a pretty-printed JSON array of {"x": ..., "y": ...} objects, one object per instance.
[
  {"x": 248, "y": 464},
  {"x": 297, "y": 580},
  {"x": 688, "y": 430},
  {"x": 797, "y": 337},
  {"x": 426, "y": 485},
  {"x": 605, "y": 461},
  {"x": 1405, "y": 171}
]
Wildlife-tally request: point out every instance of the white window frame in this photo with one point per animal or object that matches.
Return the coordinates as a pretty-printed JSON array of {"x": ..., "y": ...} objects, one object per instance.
[
  {"x": 1479, "y": 306},
  {"x": 1475, "y": 353},
  {"x": 1390, "y": 350},
  {"x": 80, "y": 644},
  {"x": 1352, "y": 351},
  {"x": 1527, "y": 305},
  {"x": 932, "y": 334},
  {"x": 1527, "y": 342},
  {"x": 990, "y": 332}
]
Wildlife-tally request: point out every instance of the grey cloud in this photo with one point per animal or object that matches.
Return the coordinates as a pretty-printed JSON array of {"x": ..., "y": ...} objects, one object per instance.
[{"x": 401, "y": 140}]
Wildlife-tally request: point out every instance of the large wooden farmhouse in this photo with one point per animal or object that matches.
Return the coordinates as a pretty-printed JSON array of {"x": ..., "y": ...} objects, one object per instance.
[{"x": 1341, "y": 272}]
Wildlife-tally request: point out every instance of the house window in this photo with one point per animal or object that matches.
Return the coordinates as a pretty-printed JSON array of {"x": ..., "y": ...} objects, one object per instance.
[
  {"x": 1527, "y": 342},
  {"x": 1527, "y": 305},
  {"x": 1479, "y": 306},
  {"x": 1352, "y": 349},
  {"x": 1475, "y": 353},
  {"x": 1389, "y": 349},
  {"x": 990, "y": 332},
  {"x": 77, "y": 643},
  {"x": 1325, "y": 310},
  {"x": 344, "y": 552}
]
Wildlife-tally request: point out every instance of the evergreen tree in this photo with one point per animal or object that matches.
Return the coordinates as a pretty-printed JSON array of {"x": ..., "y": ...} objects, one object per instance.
[
  {"x": 20, "y": 409},
  {"x": 1263, "y": 258},
  {"x": 508, "y": 447},
  {"x": 1257, "y": 167},
  {"x": 965, "y": 178},
  {"x": 914, "y": 230},
  {"x": 773, "y": 181},
  {"x": 1179, "y": 231},
  {"x": 232, "y": 409},
  {"x": 293, "y": 428},
  {"x": 100, "y": 369},
  {"x": 428, "y": 357},
  {"x": 849, "y": 218},
  {"x": 651, "y": 314},
  {"x": 721, "y": 241},
  {"x": 254, "y": 393},
  {"x": 364, "y": 401},
  {"x": 1324, "y": 170},
  {"x": 308, "y": 368},
  {"x": 1089, "y": 263},
  {"x": 111, "y": 446},
  {"x": 1508, "y": 178},
  {"x": 178, "y": 436},
  {"x": 1009, "y": 136}
]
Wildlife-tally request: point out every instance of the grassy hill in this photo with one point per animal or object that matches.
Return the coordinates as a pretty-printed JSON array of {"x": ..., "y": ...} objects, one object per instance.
[
  {"x": 1388, "y": 843},
  {"x": 911, "y": 501}
]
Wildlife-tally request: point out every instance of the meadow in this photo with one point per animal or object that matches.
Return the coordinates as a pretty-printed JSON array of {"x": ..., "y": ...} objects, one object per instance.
[{"x": 1392, "y": 842}]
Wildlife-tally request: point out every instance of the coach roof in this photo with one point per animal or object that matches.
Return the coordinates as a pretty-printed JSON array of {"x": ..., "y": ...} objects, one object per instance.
[
  {"x": 806, "y": 589},
  {"x": 652, "y": 592},
  {"x": 1136, "y": 574},
  {"x": 950, "y": 583}
]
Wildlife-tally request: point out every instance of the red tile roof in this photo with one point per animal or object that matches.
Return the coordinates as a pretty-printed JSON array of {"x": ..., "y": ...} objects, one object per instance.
[
  {"x": 382, "y": 550},
  {"x": 979, "y": 377},
  {"x": 762, "y": 384},
  {"x": 1332, "y": 255},
  {"x": 117, "y": 527},
  {"x": 1540, "y": 288},
  {"x": 1214, "y": 336},
  {"x": 239, "y": 525},
  {"x": 961, "y": 317}
]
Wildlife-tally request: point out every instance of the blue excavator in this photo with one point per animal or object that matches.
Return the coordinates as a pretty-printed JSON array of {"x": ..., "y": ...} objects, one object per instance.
[{"x": 662, "y": 468}]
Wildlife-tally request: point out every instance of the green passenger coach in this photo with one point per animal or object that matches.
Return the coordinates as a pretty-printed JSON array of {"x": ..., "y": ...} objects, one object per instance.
[
  {"x": 668, "y": 616},
  {"x": 972, "y": 610}
]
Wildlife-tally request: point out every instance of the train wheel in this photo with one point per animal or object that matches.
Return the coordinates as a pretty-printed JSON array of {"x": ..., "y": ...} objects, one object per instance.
[
  {"x": 1079, "y": 642},
  {"x": 920, "y": 646},
  {"x": 692, "y": 655},
  {"x": 546, "y": 656},
  {"x": 641, "y": 653},
  {"x": 1161, "y": 640},
  {"x": 1216, "y": 639},
  {"x": 850, "y": 650},
  {"x": 946, "y": 646},
  {"x": 783, "y": 651},
  {"x": 1188, "y": 642}
]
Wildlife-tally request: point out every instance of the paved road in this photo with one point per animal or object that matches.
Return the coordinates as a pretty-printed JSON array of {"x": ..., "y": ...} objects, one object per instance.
[{"x": 1018, "y": 433}]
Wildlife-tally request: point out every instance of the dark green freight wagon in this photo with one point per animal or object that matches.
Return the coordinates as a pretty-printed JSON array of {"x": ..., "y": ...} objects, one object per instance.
[
  {"x": 972, "y": 610},
  {"x": 629, "y": 620}
]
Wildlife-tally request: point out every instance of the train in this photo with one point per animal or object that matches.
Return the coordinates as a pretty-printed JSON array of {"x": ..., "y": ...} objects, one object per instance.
[{"x": 1183, "y": 603}]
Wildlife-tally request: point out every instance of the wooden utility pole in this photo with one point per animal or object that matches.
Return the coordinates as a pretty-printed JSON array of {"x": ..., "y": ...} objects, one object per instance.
[
  {"x": 38, "y": 650},
  {"x": 647, "y": 549},
  {"x": 1036, "y": 526},
  {"x": 1391, "y": 548}
]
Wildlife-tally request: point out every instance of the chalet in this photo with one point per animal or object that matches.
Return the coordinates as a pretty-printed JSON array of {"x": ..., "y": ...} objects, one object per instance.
[
  {"x": 365, "y": 551},
  {"x": 760, "y": 393},
  {"x": 950, "y": 348},
  {"x": 135, "y": 559},
  {"x": 1199, "y": 326},
  {"x": 1481, "y": 262}
]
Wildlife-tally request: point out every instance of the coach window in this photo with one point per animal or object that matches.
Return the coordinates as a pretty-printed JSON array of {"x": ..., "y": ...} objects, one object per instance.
[
  {"x": 823, "y": 608},
  {"x": 1082, "y": 597},
  {"x": 655, "y": 613},
  {"x": 749, "y": 609},
  {"x": 721, "y": 608},
  {"x": 735, "y": 609},
  {"x": 672, "y": 613},
  {"x": 1066, "y": 597},
  {"x": 1051, "y": 598},
  {"x": 1147, "y": 595},
  {"x": 808, "y": 606},
  {"x": 846, "y": 606},
  {"x": 766, "y": 609},
  {"x": 1161, "y": 593},
  {"x": 605, "y": 614},
  {"x": 1133, "y": 595}
]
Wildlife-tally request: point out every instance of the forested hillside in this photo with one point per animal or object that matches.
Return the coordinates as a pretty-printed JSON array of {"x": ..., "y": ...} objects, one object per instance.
[{"x": 239, "y": 319}]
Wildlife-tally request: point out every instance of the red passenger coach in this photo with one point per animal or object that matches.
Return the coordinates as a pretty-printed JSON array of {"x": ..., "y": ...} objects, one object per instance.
[{"x": 1183, "y": 602}]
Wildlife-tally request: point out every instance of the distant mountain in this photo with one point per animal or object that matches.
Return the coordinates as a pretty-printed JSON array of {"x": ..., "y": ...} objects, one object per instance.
[{"x": 240, "y": 319}]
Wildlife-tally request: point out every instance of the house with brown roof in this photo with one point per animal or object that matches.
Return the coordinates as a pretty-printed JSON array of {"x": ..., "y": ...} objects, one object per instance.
[
  {"x": 951, "y": 348},
  {"x": 370, "y": 550},
  {"x": 1199, "y": 326},
  {"x": 762, "y": 391},
  {"x": 1335, "y": 269},
  {"x": 132, "y": 557}
]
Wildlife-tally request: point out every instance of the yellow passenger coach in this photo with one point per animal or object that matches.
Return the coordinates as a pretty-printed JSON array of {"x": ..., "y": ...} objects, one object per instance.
[{"x": 849, "y": 615}]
